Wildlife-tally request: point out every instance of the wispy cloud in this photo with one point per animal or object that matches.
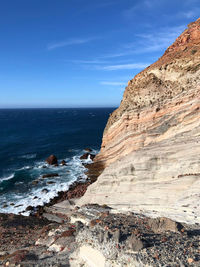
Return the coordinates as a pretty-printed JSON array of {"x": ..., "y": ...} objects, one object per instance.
[
  {"x": 69, "y": 42},
  {"x": 189, "y": 14},
  {"x": 149, "y": 42},
  {"x": 129, "y": 13},
  {"x": 125, "y": 66},
  {"x": 114, "y": 83}
]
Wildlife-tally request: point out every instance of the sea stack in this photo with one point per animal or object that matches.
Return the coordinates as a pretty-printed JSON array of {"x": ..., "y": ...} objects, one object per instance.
[{"x": 151, "y": 143}]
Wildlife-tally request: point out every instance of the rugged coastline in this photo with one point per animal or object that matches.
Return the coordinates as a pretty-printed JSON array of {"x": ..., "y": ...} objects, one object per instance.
[
  {"x": 143, "y": 210},
  {"x": 62, "y": 234}
]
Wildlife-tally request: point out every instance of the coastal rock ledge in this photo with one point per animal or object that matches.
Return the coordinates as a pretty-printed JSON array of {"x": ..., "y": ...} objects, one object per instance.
[{"x": 151, "y": 144}]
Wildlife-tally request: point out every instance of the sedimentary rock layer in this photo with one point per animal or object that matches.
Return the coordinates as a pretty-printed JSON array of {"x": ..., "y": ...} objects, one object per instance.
[{"x": 151, "y": 143}]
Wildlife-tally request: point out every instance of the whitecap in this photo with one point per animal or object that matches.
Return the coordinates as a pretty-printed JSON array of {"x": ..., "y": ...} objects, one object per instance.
[
  {"x": 7, "y": 178},
  {"x": 25, "y": 168},
  {"x": 73, "y": 171},
  {"x": 28, "y": 156}
]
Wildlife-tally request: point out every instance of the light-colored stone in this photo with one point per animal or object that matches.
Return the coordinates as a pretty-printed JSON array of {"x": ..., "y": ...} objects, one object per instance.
[
  {"x": 151, "y": 144},
  {"x": 92, "y": 257}
]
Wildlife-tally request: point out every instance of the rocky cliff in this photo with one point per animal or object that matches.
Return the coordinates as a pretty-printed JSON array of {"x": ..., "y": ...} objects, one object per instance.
[{"x": 151, "y": 144}]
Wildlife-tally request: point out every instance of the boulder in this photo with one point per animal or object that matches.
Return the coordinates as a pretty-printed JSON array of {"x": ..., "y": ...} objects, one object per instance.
[
  {"x": 52, "y": 160},
  {"x": 50, "y": 182},
  {"x": 160, "y": 225}
]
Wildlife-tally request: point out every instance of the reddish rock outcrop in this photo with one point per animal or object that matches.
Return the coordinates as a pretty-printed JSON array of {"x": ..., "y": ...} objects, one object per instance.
[
  {"x": 151, "y": 143},
  {"x": 159, "y": 98}
]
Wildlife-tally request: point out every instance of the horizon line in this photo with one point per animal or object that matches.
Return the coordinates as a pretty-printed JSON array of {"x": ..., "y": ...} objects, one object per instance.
[{"x": 58, "y": 107}]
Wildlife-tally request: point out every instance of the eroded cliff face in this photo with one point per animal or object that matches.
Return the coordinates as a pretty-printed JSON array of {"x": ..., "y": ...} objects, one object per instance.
[
  {"x": 151, "y": 144},
  {"x": 157, "y": 99}
]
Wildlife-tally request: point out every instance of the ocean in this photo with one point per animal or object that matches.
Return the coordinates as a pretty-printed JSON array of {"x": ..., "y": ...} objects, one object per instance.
[{"x": 29, "y": 136}]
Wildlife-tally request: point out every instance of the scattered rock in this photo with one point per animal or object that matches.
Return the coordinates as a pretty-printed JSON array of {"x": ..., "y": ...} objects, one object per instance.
[
  {"x": 52, "y": 160},
  {"x": 87, "y": 155},
  {"x": 29, "y": 208},
  {"x": 77, "y": 190},
  {"x": 18, "y": 206},
  {"x": 63, "y": 163},
  {"x": 45, "y": 190}
]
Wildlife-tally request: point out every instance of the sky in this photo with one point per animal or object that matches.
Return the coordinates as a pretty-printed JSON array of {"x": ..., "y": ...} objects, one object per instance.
[{"x": 82, "y": 53}]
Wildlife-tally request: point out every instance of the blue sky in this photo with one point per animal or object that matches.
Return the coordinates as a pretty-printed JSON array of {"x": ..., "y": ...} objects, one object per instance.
[{"x": 81, "y": 53}]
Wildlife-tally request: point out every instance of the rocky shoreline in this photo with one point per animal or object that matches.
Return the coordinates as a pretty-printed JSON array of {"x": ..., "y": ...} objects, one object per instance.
[
  {"x": 77, "y": 189},
  {"x": 63, "y": 234},
  {"x": 151, "y": 152}
]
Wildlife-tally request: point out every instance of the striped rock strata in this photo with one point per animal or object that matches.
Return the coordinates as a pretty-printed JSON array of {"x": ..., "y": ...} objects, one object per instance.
[{"x": 151, "y": 144}]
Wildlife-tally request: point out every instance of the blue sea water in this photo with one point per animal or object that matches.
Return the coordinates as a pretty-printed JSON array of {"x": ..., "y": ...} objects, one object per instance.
[{"x": 29, "y": 136}]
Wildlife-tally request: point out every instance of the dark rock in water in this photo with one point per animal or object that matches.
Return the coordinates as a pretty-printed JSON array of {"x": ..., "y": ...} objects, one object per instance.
[
  {"x": 160, "y": 225},
  {"x": 12, "y": 204},
  {"x": 63, "y": 162},
  {"x": 49, "y": 175},
  {"x": 44, "y": 166},
  {"x": 88, "y": 149},
  {"x": 50, "y": 182},
  {"x": 35, "y": 182},
  {"x": 52, "y": 160},
  {"x": 56, "y": 165},
  {"x": 18, "y": 206},
  {"x": 84, "y": 156},
  {"x": 92, "y": 156},
  {"x": 35, "y": 197},
  {"x": 29, "y": 208},
  {"x": 87, "y": 155},
  {"x": 45, "y": 190},
  {"x": 5, "y": 206}
]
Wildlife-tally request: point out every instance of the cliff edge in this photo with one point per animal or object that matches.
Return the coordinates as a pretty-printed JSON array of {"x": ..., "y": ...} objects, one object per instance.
[{"x": 151, "y": 144}]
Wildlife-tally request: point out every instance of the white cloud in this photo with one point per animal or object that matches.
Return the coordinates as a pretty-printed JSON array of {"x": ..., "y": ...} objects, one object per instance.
[
  {"x": 70, "y": 42},
  {"x": 125, "y": 66},
  {"x": 114, "y": 83}
]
